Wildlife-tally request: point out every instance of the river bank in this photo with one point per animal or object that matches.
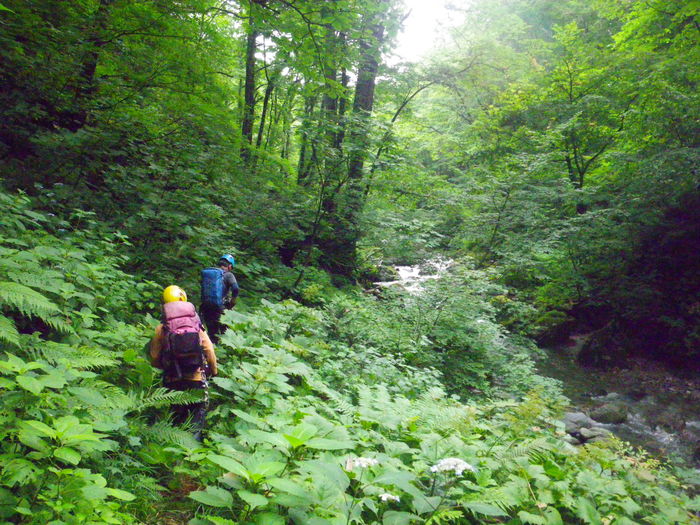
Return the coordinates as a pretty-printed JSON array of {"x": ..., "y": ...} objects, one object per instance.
[{"x": 645, "y": 403}]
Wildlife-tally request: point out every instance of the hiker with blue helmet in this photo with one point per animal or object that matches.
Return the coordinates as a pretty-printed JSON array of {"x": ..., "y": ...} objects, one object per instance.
[{"x": 219, "y": 293}]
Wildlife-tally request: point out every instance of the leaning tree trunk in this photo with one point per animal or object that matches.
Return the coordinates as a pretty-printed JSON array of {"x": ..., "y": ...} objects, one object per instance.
[
  {"x": 340, "y": 247},
  {"x": 249, "y": 93}
]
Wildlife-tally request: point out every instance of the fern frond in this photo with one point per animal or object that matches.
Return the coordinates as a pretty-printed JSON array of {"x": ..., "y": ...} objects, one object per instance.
[
  {"x": 27, "y": 300},
  {"x": 80, "y": 358},
  {"x": 103, "y": 395},
  {"x": 444, "y": 516},
  {"x": 8, "y": 331},
  {"x": 162, "y": 397},
  {"x": 530, "y": 449},
  {"x": 40, "y": 279},
  {"x": 495, "y": 496},
  {"x": 340, "y": 403},
  {"x": 31, "y": 303},
  {"x": 164, "y": 433}
]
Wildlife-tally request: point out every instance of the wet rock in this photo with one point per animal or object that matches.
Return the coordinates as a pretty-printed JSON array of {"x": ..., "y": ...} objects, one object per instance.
[
  {"x": 636, "y": 394},
  {"x": 573, "y": 421},
  {"x": 668, "y": 420},
  {"x": 387, "y": 273},
  {"x": 575, "y": 441},
  {"x": 614, "y": 413},
  {"x": 594, "y": 434},
  {"x": 609, "y": 397}
]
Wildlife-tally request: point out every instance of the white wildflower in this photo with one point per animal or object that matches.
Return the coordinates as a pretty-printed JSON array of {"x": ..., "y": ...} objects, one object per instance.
[
  {"x": 454, "y": 464},
  {"x": 389, "y": 497},
  {"x": 352, "y": 463}
]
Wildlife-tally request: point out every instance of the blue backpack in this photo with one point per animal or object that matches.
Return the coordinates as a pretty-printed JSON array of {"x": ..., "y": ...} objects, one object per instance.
[{"x": 213, "y": 286}]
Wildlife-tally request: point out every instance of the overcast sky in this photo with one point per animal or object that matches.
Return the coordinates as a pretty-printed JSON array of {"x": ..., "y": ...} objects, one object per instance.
[{"x": 423, "y": 28}]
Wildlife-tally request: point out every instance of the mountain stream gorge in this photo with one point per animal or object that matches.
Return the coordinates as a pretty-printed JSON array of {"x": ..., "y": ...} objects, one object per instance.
[{"x": 646, "y": 404}]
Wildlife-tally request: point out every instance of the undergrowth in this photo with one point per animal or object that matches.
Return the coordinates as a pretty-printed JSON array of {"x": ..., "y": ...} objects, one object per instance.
[{"x": 359, "y": 410}]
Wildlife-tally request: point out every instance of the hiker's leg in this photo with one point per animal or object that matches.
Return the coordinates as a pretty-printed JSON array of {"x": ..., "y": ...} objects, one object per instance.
[
  {"x": 194, "y": 412},
  {"x": 211, "y": 316}
]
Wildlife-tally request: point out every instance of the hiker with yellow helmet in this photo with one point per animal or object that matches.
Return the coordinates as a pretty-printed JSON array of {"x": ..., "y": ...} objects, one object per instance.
[{"x": 183, "y": 350}]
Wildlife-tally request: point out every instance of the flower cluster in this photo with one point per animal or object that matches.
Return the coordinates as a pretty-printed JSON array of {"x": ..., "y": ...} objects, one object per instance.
[
  {"x": 454, "y": 464},
  {"x": 389, "y": 497},
  {"x": 353, "y": 463}
]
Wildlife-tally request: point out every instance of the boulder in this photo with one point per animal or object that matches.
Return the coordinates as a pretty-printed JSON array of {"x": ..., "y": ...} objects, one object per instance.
[
  {"x": 571, "y": 440},
  {"x": 573, "y": 421},
  {"x": 614, "y": 413},
  {"x": 594, "y": 434},
  {"x": 388, "y": 273}
]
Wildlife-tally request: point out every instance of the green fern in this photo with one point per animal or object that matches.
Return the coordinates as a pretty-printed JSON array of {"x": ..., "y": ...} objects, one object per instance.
[
  {"x": 444, "y": 516},
  {"x": 164, "y": 433},
  {"x": 162, "y": 397},
  {"x": 31, "y": 303},
  {"x": 8, "y": 331},
  {"x": 534, "y": 450},
  {"x": 80, "y": 358}
]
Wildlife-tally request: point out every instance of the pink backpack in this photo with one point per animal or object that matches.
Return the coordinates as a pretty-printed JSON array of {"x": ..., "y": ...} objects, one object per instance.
[{"x": 182, "y": 354}]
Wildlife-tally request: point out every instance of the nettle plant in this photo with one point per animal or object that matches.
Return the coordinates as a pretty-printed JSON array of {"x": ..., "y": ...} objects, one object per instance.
[{"x": 286, "y": 447}]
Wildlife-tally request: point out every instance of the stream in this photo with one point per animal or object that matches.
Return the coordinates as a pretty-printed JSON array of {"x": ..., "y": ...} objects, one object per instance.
[{"x": 661, "y": 410}]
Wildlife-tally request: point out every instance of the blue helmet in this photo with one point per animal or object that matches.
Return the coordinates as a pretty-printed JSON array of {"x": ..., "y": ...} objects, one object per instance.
[{"x": 228, "y": 258}]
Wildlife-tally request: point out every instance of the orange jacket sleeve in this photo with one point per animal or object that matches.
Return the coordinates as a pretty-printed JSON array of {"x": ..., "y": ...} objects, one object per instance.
[
  {"x": 156, "y": 346},
  {"x": 209, "y": 354}
]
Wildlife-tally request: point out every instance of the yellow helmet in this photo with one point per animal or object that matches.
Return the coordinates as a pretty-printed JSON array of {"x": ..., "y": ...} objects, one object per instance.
[{"x": 174, "y": 293}]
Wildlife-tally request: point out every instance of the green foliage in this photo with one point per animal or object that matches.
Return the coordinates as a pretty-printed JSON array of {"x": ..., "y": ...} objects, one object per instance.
[
  {"x": 543, "y": 145},
  {"x": 293, "y": 447}
]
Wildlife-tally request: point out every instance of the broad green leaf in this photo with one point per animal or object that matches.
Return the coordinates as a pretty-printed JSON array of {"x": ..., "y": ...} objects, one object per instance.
[
  {"x": 532, "y": 519},
  {"x": 30, "y": 383},
  {"x": 245, "y": 416},
  {"x": 41, "y": 428},
  {"x": 587, "y": 511},
  {"x": 422, "y": 504},
  {"x": 121, "y": 494},
  {"x": 268, "y": 518},
  {"x": 68, "y": 455},
  {"x": 259, "y": 471},
  {"x": 398, "y": 478},
  {"x": 253, "y": 435},
  {"x": 288, "y": 486},
  {"x": 392, "y": 517},
  {"x": 329, "y": 444},
  {"x": 89, "y": 396},
  {"x": 213, "y": 496},
  {"x": 320, "y": 471},
  {"x": 300, "y": 434},
  {"x": 66, "y": 423},
  {"x": 252, "y": 499},
  {"x": 229, "y": 464},
  {"x": 485, "y": 509},
  {"x": 553, "y": 516},
  {"x": 94, "y": 492},
  {"x": 216, "y": 520},
  {"x": 54, "y": 379}
]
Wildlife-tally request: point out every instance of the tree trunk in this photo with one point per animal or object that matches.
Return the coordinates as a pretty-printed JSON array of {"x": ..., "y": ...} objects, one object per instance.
[
  {"x": 249, "y": 92},
  {"x": 304, "y": 166},
  {"x": 340, "y": 247}
]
